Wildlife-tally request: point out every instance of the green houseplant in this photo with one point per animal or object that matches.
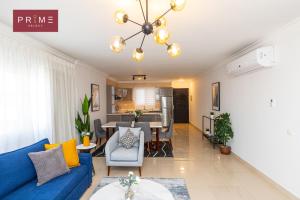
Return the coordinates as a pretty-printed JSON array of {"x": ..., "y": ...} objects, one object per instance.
[
  {"x": 224, "y": 132},
  {"x": 137, "y": 115},
  {"x": 83, "y": 124}
]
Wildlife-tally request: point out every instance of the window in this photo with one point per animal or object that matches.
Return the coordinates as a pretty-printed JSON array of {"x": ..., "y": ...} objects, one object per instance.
[{"x": 144, "y": 97}]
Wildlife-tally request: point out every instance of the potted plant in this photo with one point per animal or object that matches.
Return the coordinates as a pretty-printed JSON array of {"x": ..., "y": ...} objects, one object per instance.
[
  {"x": 137, "y": 114},
  {"x": 83, "y": 124},
  {"x": 224, "y": 132}
]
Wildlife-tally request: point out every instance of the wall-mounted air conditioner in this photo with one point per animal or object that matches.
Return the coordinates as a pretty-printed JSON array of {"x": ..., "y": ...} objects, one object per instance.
[{"x": 260, "y": 58}]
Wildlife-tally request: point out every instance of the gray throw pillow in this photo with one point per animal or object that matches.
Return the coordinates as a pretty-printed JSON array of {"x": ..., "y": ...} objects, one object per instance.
[
  {"x": 128, "y": 139},
  {"x": 49, "y": 164},
  {"x": 123, "y": 131}
]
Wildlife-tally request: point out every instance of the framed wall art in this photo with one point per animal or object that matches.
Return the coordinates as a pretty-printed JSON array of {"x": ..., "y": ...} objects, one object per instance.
[
  {"x": 215, "y": 91},
  {"x": 95, "y": 91}
]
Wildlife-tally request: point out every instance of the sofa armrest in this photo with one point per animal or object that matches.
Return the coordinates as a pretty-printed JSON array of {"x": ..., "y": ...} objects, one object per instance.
[
  {"x": 86, "y": 159},
  {"x": 141, "y": 149},
  {"x": 111, "y": 145}
]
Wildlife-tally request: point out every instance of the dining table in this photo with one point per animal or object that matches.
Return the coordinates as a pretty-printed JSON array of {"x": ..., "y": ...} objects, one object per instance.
[{"x": 153, "y": 125}]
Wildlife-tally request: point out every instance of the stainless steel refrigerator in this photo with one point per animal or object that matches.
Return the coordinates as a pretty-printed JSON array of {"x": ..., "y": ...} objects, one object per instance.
[{"x": 167, "y": 110}]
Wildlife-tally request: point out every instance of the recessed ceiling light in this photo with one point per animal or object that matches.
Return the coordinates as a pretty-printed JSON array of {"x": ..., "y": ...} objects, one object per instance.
[{"x": 139, "y": 77}]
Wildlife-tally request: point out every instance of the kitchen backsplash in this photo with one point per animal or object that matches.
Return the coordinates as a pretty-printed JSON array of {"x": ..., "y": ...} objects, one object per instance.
[{"x": 125, "y": 106}]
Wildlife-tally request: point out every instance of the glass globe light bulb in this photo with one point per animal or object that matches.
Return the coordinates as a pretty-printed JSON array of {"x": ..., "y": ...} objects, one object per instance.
[
  {"x": 174, "y": 50},
  {"x": 120, "y": 16},
  {"x": 161, "y": 36},
  {"x": 117, "y": 44},
  {"x": 138, "y": 54},
  {"x": 161, "y": 22},
  {"x": 178, "y": 5}
]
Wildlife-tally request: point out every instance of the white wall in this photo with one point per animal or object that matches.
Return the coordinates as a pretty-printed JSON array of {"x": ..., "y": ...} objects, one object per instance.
[
  {"x": 85, "y": 76},
  {"x": 261, "y": 132}
]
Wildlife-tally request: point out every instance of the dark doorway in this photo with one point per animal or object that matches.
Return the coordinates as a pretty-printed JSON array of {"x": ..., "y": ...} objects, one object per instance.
[{"x": 181, "y": 105}]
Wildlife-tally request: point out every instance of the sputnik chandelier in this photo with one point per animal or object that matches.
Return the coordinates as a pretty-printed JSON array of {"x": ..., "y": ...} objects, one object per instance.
[{"x": 157, "y": 28}]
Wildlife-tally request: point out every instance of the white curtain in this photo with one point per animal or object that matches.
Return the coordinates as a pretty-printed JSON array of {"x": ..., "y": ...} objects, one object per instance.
[
  {"x": 63, "y": 93},
  {"x": 37, "y": 96},
  {"x": 144, "y": 97}
]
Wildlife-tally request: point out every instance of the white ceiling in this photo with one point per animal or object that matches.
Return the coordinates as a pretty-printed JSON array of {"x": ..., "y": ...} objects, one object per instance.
[{"x": 207, "y": 30}]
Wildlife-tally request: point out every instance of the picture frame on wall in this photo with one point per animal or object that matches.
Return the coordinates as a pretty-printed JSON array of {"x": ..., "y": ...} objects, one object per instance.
[
  {"x": 95, "y": 91},
  {"x": 216, "y": 96}
]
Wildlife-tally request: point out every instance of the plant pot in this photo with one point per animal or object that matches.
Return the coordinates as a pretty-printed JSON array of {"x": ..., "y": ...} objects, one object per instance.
[
  {"x": 86, "y": 141},
  {"x": 226, "y": 150}
]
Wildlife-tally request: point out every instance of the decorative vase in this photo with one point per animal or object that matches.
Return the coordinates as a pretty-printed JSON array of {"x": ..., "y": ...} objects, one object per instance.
[
  {"x": 86, "y": 141},
  {"x": 129, "y": 194},
  {"x": 136, "y": 119}
]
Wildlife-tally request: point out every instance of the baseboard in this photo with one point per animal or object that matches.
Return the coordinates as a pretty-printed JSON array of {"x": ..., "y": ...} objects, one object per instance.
[
  {"x": 195, "y": 127},
  {"x": 266, "y": 178}
]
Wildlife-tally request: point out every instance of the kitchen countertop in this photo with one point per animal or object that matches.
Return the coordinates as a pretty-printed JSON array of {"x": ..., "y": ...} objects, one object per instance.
[{"x": 146, "y": 113}]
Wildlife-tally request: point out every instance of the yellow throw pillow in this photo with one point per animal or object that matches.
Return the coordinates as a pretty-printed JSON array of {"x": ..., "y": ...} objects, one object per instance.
[{"x": 69, "y": 150}]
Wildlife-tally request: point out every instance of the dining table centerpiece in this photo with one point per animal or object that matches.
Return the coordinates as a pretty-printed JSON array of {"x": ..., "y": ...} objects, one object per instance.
[
  {"x": 137, "y": 115},
  {"x": 129, "y": 181}
]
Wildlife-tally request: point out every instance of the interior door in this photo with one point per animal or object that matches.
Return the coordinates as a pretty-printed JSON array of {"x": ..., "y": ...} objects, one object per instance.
[{"x": 181, "y": 105}]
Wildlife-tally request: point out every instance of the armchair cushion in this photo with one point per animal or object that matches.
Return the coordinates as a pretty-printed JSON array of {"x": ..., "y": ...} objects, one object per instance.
[
  {"x": 119, "y": 156},
  {"x": 123, "y": 154}
]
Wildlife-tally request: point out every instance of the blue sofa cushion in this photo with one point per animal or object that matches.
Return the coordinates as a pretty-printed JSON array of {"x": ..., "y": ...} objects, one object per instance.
[
  {"x": 56, "y": 189},
  {"x": 16, "y": 168}
]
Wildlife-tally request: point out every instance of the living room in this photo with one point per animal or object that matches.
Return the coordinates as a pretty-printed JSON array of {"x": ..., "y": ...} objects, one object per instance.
[{"x": 192, "y": 99}]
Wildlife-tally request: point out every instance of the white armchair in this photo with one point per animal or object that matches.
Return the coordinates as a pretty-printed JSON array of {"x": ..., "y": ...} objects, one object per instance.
[{"x": 117, "y": 155}]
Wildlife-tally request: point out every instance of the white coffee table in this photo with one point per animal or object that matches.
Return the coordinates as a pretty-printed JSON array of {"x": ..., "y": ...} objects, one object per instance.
[{"x": 145, "y": 190}]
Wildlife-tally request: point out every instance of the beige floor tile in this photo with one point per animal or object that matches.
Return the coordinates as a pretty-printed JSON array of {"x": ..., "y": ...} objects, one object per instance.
[{"x": 209, "y": 175}]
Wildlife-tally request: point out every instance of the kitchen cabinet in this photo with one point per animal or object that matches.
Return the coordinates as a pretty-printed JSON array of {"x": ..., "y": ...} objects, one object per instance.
[
  {"x": 124, "y": 94},
  {"x": 110, "y": 99}
]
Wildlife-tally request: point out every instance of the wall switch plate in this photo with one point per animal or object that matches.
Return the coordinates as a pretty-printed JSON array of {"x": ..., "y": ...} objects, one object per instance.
[
  {"x": 290, "y": 132},
  {"x": 273, "y": 103}
]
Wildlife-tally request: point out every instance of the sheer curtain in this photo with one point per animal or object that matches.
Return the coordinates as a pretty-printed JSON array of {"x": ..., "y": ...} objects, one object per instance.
[
  {"x": 36, "y": 96},
  {"x": 144, "y": 97},
  {"x": 63, "y": 93}
]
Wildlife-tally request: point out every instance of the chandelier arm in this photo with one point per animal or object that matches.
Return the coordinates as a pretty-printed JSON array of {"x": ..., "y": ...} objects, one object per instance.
[
  {"x": 132, "y": 36},
  {"x": 142, "y": 10},
  {"x": 143, "y": 41},
  {"x": 162, "y": 15},
  {"x": 135, "y": 22},
  {"x": 147, "y": 15}
]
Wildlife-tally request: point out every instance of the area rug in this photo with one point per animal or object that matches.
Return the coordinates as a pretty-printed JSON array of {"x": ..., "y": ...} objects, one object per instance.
[
  {"x": 176, "y": 186},
  {"x": 165, "y": 151}
]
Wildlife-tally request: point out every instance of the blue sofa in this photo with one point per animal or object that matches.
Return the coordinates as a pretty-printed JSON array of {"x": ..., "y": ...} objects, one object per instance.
[{"x": 18, "y": 177}]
